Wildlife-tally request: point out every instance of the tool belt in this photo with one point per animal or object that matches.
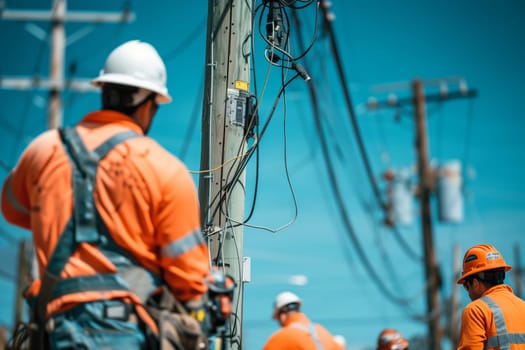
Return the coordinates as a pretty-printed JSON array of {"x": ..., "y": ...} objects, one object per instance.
[{"x": 177, "y": 329}]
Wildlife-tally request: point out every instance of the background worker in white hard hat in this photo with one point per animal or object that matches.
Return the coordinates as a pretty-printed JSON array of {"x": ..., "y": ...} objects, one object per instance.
[
  {"x": 297, "y": 331},
  {"x": 391, "y": 339},
  {"x": 114, "y": 216},
  {"x": 341, "y": 340},
  {"x": 495, "y": 319}
]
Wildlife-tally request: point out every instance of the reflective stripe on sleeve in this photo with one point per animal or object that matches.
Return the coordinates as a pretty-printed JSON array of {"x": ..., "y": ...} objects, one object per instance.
[
  {"x": 181, "y": 246},
  {"x": 502, "y": 338},
  {"x": 12, "y": 199},
  {"x": 512, "y": 338}
]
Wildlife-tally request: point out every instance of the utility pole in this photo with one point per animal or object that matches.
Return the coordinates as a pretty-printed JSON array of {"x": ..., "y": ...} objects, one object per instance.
[
  {"x": 55, "y": 84},
  {"x": 23, "y": 278},
  {"x": 432, "y": 276},
  {"x": 225, "y": 105},
  {"x": 425, "y": 189},
  {"x": 517, "y": 270},
  {"x": 454, "y": 300}
]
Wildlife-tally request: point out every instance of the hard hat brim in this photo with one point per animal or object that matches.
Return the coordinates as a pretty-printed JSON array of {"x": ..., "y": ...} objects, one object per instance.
[
  {"x": 162, "y": 94},
  {"x": 462, "y": 279}
]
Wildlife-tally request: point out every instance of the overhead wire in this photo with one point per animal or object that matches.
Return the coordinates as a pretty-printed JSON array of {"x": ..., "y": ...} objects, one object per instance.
[
  {"x": 289, "y": 182},
  {"x": 186, "y": 42},
  {"x": 355, "y": 126},
  {"x": 244, "y": 161},
  {"x": 337, "y": 193},
  {"x": 186, "y": 140}
]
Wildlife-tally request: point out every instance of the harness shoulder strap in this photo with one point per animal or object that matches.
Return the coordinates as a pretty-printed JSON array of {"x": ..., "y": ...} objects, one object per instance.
[{"x": 85, "y": 224}]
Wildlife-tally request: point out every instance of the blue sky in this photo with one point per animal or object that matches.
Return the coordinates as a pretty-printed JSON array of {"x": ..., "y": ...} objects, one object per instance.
[{"x": 380, "y": 42}]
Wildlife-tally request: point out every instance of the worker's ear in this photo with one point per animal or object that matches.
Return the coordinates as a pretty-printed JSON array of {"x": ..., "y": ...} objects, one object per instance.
[{"x": 476, "y": 284}]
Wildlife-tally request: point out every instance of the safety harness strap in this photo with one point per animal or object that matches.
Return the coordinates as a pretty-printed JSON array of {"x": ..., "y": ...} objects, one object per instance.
[
  {"x": 502, "y": 339},
  {"x": 311, "y": 330},
  {"x": 84, "y": 226}
]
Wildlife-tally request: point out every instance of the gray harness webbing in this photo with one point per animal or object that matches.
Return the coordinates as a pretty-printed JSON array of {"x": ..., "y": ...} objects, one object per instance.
[
  {"x": 86, "y": 226},
  {"x": 311, "y": 330},
  {"x": 502, "y": 339}
]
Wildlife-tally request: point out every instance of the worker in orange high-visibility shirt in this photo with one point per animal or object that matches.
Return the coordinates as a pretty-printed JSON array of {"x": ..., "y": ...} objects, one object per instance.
[
  {"x": 495, "y": 319},
  {"x": 297, "y": 331},
  {"x": 114, "y": 216}
]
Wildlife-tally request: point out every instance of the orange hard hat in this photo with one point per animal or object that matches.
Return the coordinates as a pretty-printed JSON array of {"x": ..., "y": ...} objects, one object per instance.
[
  {"x": 480, "y": 258},
  {"x": 390, "y": 339}
]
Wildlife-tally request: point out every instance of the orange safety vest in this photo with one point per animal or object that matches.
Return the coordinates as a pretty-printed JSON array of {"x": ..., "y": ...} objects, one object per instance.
[
  {"x": 299, "y": 333},
  {"x": 145, "y": 197},
  {"x": 494, "y": 321}
]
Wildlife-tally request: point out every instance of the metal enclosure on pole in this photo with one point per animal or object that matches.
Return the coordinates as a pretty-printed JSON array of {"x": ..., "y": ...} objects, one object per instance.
[
  {"x": 425, "y": 189},
  {"x": 221, "y": 183}
]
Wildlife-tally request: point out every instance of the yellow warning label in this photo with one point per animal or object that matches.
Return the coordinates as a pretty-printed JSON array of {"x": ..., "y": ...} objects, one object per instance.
[{"x": 242, "y": 85}]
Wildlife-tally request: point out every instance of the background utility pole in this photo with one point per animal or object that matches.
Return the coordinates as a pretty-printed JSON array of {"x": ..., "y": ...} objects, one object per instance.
[
  {"x": 419, "y": 100},
  {"x": 454, "y": 300},
  {"x": 425, "y": 189},
  {"x": 517, "y": 270},
  {"x": 55, "y": 84},
  {"x": 23, "y": 278},
  {"x": 221, "y": 184}
]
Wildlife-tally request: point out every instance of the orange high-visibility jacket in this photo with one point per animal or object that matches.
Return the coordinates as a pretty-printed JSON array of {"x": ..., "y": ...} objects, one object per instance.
[
  {"x": 495, "y": 318},
  {"x": 299, "y": 333},
  {"x": 145, "y": 196}
]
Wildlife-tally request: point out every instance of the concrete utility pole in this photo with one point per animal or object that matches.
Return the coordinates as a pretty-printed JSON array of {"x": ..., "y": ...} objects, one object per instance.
[
  {"x": 221, "y": 184},
  {"x": 58, "y": 16},
  {"x": 432, "y": 275}
]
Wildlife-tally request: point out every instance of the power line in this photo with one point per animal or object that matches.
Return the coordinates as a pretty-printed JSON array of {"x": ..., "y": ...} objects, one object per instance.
[
  {"x": 340, "y": 201},
  {"x": 348, "y": 100},
  {"x": 328, "y": 16}
]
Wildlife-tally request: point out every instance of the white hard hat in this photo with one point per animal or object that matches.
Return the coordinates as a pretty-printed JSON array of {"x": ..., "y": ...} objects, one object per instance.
[
  {"x": 283, "y": 299},
  {"x": 340, "y": 339},
  {"x": 138, "y": 64}
]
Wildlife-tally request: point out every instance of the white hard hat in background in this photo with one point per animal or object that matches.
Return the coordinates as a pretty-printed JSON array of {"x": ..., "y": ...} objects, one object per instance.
[
  {"x": 341, "y": 340},
  {"x": 136, "y": 63},
  {"x": 283, "y": 299}
]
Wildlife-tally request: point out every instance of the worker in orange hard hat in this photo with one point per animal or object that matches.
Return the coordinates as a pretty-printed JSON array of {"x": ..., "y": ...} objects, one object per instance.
[
  {"x": 297, "y": 331},
  {"x": 114, "y": 216},
  {"x": 391, "y": 339},
  {"x": 495, "y": 319}
]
